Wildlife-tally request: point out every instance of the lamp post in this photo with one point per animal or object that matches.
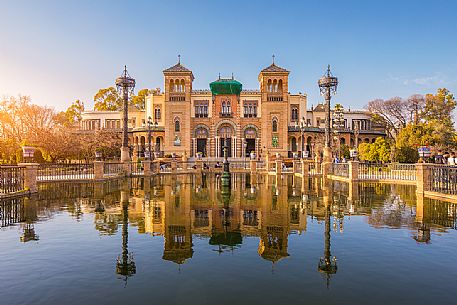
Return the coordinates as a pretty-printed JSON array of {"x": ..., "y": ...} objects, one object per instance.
[
  {"x": 338, "y": 118},
  {"x": 356, "y": 139},
  {"x": 327, "y": 86},
  {"x": 149, "y": 137},
  {"x": 302, "y": 130},
  {"x": 125, "y": 85}
]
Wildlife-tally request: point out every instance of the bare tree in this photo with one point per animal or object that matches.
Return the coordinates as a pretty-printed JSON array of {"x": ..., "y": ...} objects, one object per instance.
[{"x": 394, "y": 113}]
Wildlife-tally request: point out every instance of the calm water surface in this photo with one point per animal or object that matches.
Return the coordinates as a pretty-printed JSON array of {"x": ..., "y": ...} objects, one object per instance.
[{"x": 186, "y": 240}]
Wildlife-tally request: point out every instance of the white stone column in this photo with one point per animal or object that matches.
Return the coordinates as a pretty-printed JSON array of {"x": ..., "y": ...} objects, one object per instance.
[
  {"x": 234, "y": 150},
  {"x": 217, "y": 146},
  {"x": 193, "y": 153}
]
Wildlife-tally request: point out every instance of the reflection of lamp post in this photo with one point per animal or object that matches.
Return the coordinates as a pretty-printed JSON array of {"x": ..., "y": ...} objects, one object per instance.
[
  {"x": 328, "y": 85},
  {"x": 125, "y": 264},
  {"x": 327, "y": 264},
  {"x": 226, "y": 178},
  {"x": 125, "y": 85}
]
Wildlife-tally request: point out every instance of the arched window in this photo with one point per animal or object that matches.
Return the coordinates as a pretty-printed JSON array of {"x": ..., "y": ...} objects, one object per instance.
[
  {"x": 228, "y": 107},
  {"x": 177, "y": 126},
  {"x": 224, "y": 110},
  {"x": 275, "y": 125},
  {"x": 172, "y": 85}
]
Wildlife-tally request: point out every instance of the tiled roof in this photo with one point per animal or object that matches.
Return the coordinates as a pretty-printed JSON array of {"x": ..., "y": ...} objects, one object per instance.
[
  {"x": 274, "y": 68},
  {"x": 177, "y": 68}
]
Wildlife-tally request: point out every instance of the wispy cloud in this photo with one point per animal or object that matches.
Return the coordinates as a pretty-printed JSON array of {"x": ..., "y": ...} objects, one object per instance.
[{"x": 437, "y": 79}]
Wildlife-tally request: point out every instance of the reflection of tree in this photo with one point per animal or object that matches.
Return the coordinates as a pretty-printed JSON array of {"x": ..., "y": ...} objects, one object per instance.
[{"x": 393, "y": 213}]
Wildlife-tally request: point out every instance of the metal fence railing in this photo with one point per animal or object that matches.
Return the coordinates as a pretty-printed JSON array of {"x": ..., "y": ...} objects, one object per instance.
[
  {"x": 137, "y": 168},
  {"x": 393, "y": 171},
  {"x": 11, "y": 179},
  {"x": 113, "y": 169},
  {"x": 443, "y": 179},
  {"x": 340, "y": 169},
  {"x": 57, "y": 171}
]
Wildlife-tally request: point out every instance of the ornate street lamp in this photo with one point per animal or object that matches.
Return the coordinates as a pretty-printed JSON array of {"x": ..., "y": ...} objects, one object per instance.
[
  {"x": 125, "y": 85},
  {"x": 150, "y": 157},
  {"x": 327, "y": 86},
  {"x": 338, "y": 122}
]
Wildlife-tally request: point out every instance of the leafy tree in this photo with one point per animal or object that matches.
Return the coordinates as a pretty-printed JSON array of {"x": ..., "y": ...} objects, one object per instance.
[
  {"x": 139, "y": 101},
  {"x": 107, "y": 99},
  {"x": 379, "y": 151},
  {"x": 439, "y": 106},
  {"x": 405, "y": 155}
]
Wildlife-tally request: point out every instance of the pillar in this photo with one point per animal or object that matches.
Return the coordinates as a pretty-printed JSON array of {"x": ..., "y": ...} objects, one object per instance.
[
  {"x": 30, "y": 176},
  {"x": 147, "y": 168},
  {"x": 127, "y": 169},
  {"x": 304, "y": 168},
  {"x": 278, "y": 166},
  {"x": 184, "y": 161},
  {"x": 174, "y": 166},
  {"x": 422, "y": 177},
  {"x": 253, "y": 166},
  {"x": 199, "y": 165},
  {"x": 353, "y": 170},
  {"x": 99, "y": 170}
]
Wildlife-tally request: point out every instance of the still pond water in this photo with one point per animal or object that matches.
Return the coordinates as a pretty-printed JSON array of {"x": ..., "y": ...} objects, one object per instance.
[{"x": 187, "y": 240}]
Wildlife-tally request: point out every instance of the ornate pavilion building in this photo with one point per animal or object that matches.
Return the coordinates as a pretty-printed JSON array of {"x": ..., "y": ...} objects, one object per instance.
[
  {"x": 203, "y": 121},
  {"x": 268, "y": 120}
]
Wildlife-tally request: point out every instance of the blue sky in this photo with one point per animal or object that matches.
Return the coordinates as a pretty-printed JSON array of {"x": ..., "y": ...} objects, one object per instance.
[{"x": 59, "y": 51}]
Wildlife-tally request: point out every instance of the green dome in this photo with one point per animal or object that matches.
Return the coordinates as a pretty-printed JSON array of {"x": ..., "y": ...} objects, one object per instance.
[{"x": 226, "y": 86}]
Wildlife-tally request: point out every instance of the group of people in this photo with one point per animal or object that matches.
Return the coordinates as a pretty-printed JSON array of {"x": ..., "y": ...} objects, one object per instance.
[
  {"x": 450, "y": 159},
  {"x": 338, "y": 160},
  {"x": 206, "y": 166}
]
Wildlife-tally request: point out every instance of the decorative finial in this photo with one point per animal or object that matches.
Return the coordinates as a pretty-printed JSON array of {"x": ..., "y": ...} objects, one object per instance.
[
  {"x": 328, "y": 70},
  {"x": 179, "y": 59},
  {"x": 219, "y": 75},
  {"x": 273, "y": 56},
  {"x": 232, "y": 75}
]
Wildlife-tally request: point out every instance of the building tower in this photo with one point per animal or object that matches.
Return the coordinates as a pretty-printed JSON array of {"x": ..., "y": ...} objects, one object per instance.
[
  {"x": 274, "y": 88},
  {"x": 178, "y": 88}
]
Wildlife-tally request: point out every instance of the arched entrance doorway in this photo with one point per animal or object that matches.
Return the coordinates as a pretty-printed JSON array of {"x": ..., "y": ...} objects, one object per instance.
[
  {"x": 225, "y": 136},
  {"x": 201, "y": 134},
  {"x": 250, "y": 134}
]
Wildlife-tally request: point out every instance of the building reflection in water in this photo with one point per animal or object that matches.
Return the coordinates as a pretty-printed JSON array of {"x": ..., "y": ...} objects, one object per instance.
[{"x": 178, "y": 208}]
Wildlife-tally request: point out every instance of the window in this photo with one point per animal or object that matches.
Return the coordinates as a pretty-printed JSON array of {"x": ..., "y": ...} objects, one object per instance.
[
  {"x": 177, "y": 126},
  {"x": 201, "y": 109},
  {"x": 275, "y": 141},
  {"x": 157, "y": 114},
  {"x": 226, "y": 109},
  {"x": 294, "y": 113},
  {"x": 250, "y": 109},
  {"x": 275, "y": 125},
  {"x": 308, "y": 122}
]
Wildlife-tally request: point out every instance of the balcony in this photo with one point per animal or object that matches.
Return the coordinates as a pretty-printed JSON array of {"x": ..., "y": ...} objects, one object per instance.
[
  {"x": 274, "y": 97},
  {"x": 201, "y": 115},
  {"x": 226, "y": 115},
  {"x": 177, "y": 97}
]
